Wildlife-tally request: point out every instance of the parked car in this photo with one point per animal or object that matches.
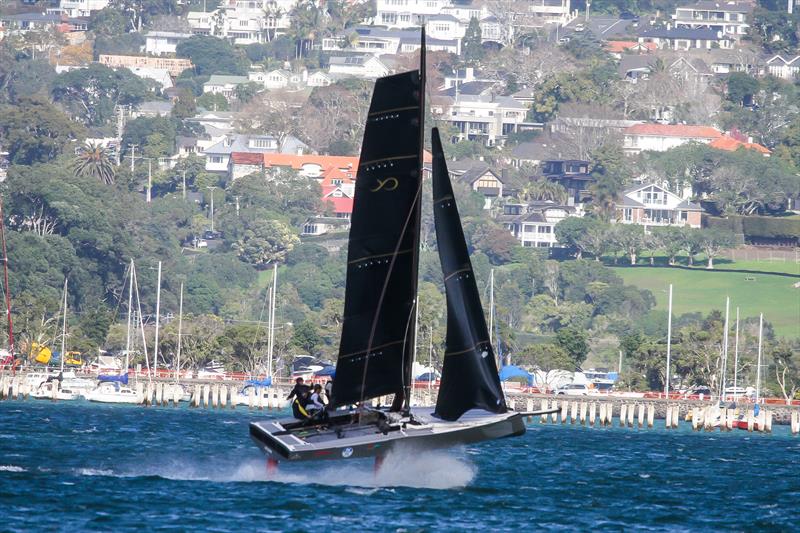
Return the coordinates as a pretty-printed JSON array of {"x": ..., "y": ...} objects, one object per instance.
[
  {"x": 573, "y": 389},
  {"x": 579, "y": 27}
]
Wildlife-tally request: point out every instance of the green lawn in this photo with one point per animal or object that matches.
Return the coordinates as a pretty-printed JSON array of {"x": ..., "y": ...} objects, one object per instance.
[{"x": 700, "y": 290}]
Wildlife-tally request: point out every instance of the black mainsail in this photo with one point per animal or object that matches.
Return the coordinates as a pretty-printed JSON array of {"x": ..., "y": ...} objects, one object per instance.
[
  {"x": 376, "y": 347},
  {"x": 469, "y": 374}
]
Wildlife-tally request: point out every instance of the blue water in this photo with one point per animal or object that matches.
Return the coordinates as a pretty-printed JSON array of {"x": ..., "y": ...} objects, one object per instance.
[{"x": 78, "y": 466}]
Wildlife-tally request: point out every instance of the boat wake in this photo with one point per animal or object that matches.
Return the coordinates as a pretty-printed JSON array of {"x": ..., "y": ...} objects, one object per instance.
[{"x": 401, "y": 468}]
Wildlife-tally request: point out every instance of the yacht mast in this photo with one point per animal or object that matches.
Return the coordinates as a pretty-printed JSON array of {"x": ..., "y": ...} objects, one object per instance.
[
  {"x": 158, "y": 312},
  {"x": 180, "y": 330},
  {"x": 5, "y": 286},
  {"x": 758, "y": 366},
  {"x": 64, "y": 328},
  {"x": 130, "y": 318},
  {"x": 736, "y": 359},
  {"x": 725, "y": 348},
  {"x": 271, "y": 342}
]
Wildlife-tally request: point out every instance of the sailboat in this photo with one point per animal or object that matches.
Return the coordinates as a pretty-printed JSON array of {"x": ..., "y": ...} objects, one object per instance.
[{"x": 378, "y": 333}]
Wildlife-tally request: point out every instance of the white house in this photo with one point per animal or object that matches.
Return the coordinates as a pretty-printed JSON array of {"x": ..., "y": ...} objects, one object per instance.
[
  {"x": 727, "y": 18},
  {"x": 662, "y": 137},
  {"x": 483, "y": 116},
  {"x": 652, "y": 206},
  {"x": 159, "y": 75},
  {"x": 224, "y": 85},
  {"x": 782, "y": 67},
  {"x": 244, "y": 21},
  {"x": 163, "y": 42},
  {"x": 81, "y": 8},
  {"x": 359, "y": 66},
  {"x": 319, "y": 78},
  {"x": 534, "y": 224},
  {"x": 407, "y": 13},
  {"x": 484, "y": 181}
]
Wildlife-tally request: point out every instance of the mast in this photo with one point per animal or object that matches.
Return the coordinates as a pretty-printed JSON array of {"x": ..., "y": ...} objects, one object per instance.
[
  {"x": 669, "y": 343},
  {"x": 5, "y": 286},
  {"x": 141, "y": 328},
  {"x": 417, "y": 206},
  {"x": 758, "y": 365},
  {"x": 180, "y": 338},
  {"x": 725, "y": 348},
  {"x": 130, "y": 312},
  {"x": 271, "y": 341},
  {"x": 736, "y": 360},
  {"x": 158, "y": 312},
  {"x": 491, "y": 306},
  {"x": 64, "y": 328}
]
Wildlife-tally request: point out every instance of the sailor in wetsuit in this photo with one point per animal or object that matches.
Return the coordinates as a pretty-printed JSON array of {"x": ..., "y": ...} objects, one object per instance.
[{"x": 301, "y": 394}]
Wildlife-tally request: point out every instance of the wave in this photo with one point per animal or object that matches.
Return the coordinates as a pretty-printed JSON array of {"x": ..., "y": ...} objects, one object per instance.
[
  {"x": 400, "y": 468},
  {"x": 12, "y": 468}
]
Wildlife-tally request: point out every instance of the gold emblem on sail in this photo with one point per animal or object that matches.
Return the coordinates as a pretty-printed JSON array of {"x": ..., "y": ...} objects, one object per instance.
[{"x": 388, "y": 184}]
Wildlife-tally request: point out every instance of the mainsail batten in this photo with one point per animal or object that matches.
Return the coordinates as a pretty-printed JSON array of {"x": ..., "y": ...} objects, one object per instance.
[
  {"x": 374, "y": 351},
  {"x": 469, "y": 373}
]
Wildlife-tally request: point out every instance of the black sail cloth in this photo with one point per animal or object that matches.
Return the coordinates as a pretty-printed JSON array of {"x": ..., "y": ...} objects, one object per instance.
[
  {"x": 375, "y": 351},
  {"x": 469, "y": 374}
]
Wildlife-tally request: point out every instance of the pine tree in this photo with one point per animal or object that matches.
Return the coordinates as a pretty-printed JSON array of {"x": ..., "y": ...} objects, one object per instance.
[{"x": 471, "y": 44}]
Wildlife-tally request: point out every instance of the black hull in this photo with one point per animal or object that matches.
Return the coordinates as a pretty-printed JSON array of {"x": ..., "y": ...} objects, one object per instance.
[{"x": 311, "y": 443}]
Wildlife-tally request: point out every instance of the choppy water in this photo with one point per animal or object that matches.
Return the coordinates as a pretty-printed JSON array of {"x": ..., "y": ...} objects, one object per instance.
[{"x": 77, "y": 466}]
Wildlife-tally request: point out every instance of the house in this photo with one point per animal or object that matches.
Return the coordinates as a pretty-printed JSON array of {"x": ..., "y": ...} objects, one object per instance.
[
  {"x": 153, "y": 108},
  {"x": 606, "y": 27},
  {"x": 249, "y": 150},
  {"x": 407, "y": 13},
  {"x": 276, "y": 79},
  {"x": 662, "y": 137},
  {"x": 722, "y": 62},
  {"x": 573, "y": 175},
  {"x": 224, "y": 84},
  {"x": 244, "y": 21},
  {"x": 479, "y": 114},
  {"x": 534, "y": 224},
  {"x": 358, "y": 66},
  {"x": 784, "y": 67},
  {"x": 319, "y": 78},
  {"x": 22, "y": 23},
  {"x": 619, "y": 48},
  {"x": 81, "y": 8},
  {"x": 159, "y": 75},
  {"x": 532, "y": 153},
  {"x": 483, "y": 180},
  {"x": 309, "y": 165},
  {"x": 731, "y": 144},
  {"x": 685, "y": 38},
  {"x": 171, "y": 64},
  {"x": 159, "y": 43},
  {"x": 632, "y": 68},
  {"x": 731, "y": 19},
  {"x": 654, "y": 206},
  {"x": 322, "y": 225}
]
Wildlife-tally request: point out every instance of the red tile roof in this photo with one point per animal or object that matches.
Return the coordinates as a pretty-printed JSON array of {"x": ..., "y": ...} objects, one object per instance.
[
  {"x": 731, "y": 145},
  {"x": 617, "y": 47},
  {"x": 673, "y": 130},
  {"x": 340, "y": 204}
]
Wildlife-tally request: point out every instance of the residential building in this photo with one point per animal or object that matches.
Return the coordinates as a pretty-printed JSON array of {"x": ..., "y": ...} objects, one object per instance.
[
  {"x": 380, "y": 41},
  {"x": 312, "y": 166},
  {"x": 358, "y": 66},
  {"x": 731, "y": 144},
  {"x": 730, "y": 18},
  {"x": 620, "y": 48},
  {"x": 159, "y": 43},
  {"x": 237, "y": 155},
  {"x": 22, "y": 23},
  {"x": 407, "y": 13},
  {"x": 159, "y": 75},
  {"x": 549, "y": 12},
  {"x": 573, "y": 175},
  {"x": 483, "y": 180},
  {"x": 275, "y": 79},
  {"x": 316, "y": 226},
  {"x": 534, "y": 224},
  {"x": 152, "y": 108},
  {"x": 479, "y": 114},
  {"x": 244, "y": 21},
  {"x": 654, "y": 206},
  {"x": 784, "y": 67},
  {"x": 685, "y": 38},
  {"x": 224, "y": 84},
  {"x": 319, "y": 78},
  {"x": 662, "y": 137},
  {"x": 81, "y": 8},
  {"x": 171, "y": 64}
]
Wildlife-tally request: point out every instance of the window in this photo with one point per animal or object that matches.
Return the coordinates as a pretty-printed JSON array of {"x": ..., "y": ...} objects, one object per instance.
[
  {"x": 310, "y": 229},
  {"x": 627, "y": 214},
  {"x": 262, "y": 143},
  {"x": 243, "y": 23},
  {"x": 405, "y": 17},
  {"x": 336, "y": 182},
  {"x": 545, "y": 229},
  {"x": 216, "y": 159}
]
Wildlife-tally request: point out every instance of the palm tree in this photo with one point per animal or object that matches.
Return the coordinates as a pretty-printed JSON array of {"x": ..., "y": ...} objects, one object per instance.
[
  {"x": 544, "y": 190},
  {"x": 93, "y": 160},
  {"x": 272, "y": 16}
]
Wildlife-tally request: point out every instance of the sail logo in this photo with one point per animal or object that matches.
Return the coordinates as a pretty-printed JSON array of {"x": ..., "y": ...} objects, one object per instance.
[
  {"x": 388, "y": 184},
  {"x": 347, "y": 452}
]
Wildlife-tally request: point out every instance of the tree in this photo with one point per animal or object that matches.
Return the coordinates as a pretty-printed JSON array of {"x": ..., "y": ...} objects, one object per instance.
[
  {"x": 544, "y": 190},
  {"x": 741, "y": 88},
  {"x": 306, "y": 24},
  {"x": 472, "y": 43},
  {"x": 671, "y": 241},
  {"x": 595, "y": 240},
  {"x": 306, "y": 337},
  {"x": 270, "y": 112},
  {"x": 691, "y": 242},
  {"x": 545, "y": 357},
  {"x": 211, "y": 55},
  {"x": 93, "y": 160},
  {"x": 630, "y": 238},
  {"x": 569, "y": 232},
  {"x": 712, "y": 241},
  {"x": 107, "y": 22},
  {"x": 92, "y": 94},
  {"x": 213, "y": 101},
  {"x": 185, "y": 106},
  {"x": 786, "y": 358},
  {"x": 493, "y": 240},
  {"x": 35, "y": 131},
  {"x": 334, "y": 116},
  {"x": 264, "y": 242},
  {"x": 574, "y": 341}
]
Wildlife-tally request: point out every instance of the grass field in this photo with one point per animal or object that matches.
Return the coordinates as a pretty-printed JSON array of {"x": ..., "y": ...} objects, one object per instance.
[{"x": 701, "y": 290}]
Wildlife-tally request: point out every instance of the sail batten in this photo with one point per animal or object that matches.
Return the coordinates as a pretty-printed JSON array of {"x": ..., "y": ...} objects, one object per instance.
[{"x": 469, "y": 373}]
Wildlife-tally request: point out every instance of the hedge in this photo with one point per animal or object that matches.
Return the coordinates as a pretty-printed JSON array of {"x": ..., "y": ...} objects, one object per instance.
[{"x": 772, "y": 228}]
